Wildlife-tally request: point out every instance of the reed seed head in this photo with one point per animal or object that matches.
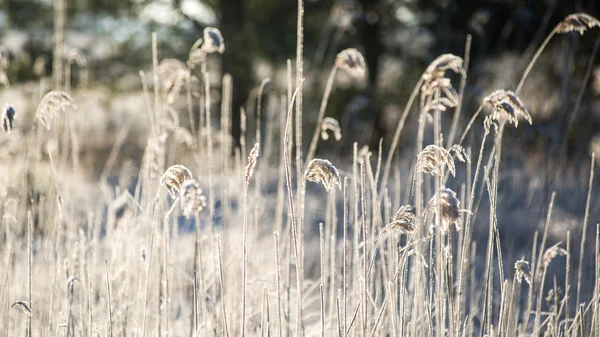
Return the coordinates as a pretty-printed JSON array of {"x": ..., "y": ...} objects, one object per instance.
[
  {"x": 434, "y": 80},
  {"x": 321, "y": 171},
  {"x": 192, "y": 199},
  {"x": 551, "y": 253},
  {"x": 437, "y": 69},
  {"x": 522, "y": 271},
  {"x": 405, "y": 220},
  {"x": 252, "y": 159},
  {"x": 174, "y": 178},
  {"x": 7, "y": 118},
  {"x": 352, "y": 61},
  {"x": 460, "y": 153},
  {"x": 449, "y": 207},
  {"x": 433, "y": 159},
  {"x": 52, "y": 104},
  {"x": 579, "y": 22},
  {"x": 213, "y": 41},
  {"x": 507, "y": 107},
  {"x": 331, "y": 124}
]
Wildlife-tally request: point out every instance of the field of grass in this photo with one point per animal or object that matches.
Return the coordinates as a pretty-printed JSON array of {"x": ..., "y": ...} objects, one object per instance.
[{"x": 195, "y": 236}]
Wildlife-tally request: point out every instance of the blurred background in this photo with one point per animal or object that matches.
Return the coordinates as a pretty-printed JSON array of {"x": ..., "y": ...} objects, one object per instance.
[{"x": 398, "y": 39}]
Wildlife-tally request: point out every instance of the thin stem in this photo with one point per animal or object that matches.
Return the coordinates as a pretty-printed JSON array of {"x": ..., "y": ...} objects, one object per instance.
[
  {"x": 313, "y": 144},
  {"x": 461, "y": 92},
  {"x": 585, "y": 224},
  {"x": 533, "y": 60},
  {"x": 396, "y": 138}
]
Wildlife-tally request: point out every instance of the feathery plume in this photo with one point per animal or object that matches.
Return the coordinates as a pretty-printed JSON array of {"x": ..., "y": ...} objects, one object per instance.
[
  {"x": 405, "y": 220},
  {"x": 460, "y": 153},
  {"x": 449, "y": 206},
  {"x": 7, "y": 118},
  {"x": 331, "y": 124},
  {"x": 433, "y": 159},
  {"x": 52, "y": 104},
  {"x": 252, "y": 159},
  {"x": 174, "y": 178},
  {"x": 551, "y": 253},
  {"x": 192, "y": 199},
  {"x": 506, "y": 107},
  {"x": 352, "y": 61},
  {"x": 579, "y": 22},
  {"x": 321, "y": 171},
  {"x": 434, "y": 79},
  {"x": 522, "y": 271},
  {"x": 212, "y": 42}
]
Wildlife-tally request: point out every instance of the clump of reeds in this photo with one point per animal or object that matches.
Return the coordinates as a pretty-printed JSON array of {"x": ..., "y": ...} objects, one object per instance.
[
  {"x": 7, "y": 118},
  {"x": 446, "y": 207},
  {"x": 52, "y": 104},
  {"x": 331, "y": 124},
  {"x": 321, "y": 171},
  {"x": 174, "y": 178},
  {"x": 523, "y": 271}
]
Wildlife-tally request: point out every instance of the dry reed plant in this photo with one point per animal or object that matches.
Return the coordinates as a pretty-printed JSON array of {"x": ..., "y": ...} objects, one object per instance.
[
  {"x": 51, "y": 105},
  {"x": 321, "y": 171},
  {"x": 433, "y": 159},
  {"x": 351, "y": 61},
  {"x": 404, "y": 220},
  {"x": 174, "y": 178},
  {"x": 507, "y": 107},
  {"x": 579, "y": 22},
  {"x": 193, "y": 200},
  {"x": 432, "y": 84},
  {"x": 211, "y": 42},
  {"x": 523, "y": 272},
  {"x": 446, "y": 207},
  {"x": 332, "y": 125}
]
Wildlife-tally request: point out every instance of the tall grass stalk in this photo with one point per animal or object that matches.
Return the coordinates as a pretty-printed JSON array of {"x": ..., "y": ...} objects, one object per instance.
[{"x": 584, "y": 229}]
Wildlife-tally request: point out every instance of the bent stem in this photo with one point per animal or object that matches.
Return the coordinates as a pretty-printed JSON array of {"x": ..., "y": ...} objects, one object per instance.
[
  {"x": 396, "y": 138},
  {"x": 313, "y": 144},
  {"x": 533, "y": 60}
]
